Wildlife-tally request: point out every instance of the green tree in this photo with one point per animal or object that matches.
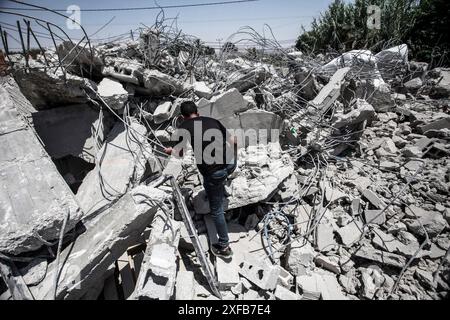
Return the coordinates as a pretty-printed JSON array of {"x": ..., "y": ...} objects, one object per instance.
[{"x": 422, "y": 24}]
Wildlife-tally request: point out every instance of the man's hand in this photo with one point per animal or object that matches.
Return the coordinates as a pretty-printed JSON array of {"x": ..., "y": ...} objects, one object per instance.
[
  {"x": 168, "y": 151},
  {"x": 233, "y": 140}
]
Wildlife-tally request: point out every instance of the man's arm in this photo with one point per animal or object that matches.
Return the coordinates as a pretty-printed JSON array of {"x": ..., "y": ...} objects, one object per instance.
[
  {"x": 232, "y": 140},
  {"x": 174, "y": 151}
]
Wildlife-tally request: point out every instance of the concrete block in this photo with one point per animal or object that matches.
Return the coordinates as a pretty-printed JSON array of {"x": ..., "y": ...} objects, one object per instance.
[
  {"x": 374, "y": 217},
  {"x": 330, "y": 263},
  {"x": 351, "y": 233},
  {"x": 163, "y": 112},
  {"x": 263, "y": 275},
  {"x": 202, "y": 90},
  {"x": 227, "y": 273},
  {"x": 281, "y": 293},
  {"x": 224, "y": 105},
  {"x": 285, "y": 278},
  {"x": 158, "y": 272},
  {"x": 328, "y": 95},
  {"x": 184, "y": 285},
  {"x": 386, "y": 258},
  {"x": 158, "y": 84},
  {"x": 113, "y": 93},
  {"x": 325, "y": 237}
]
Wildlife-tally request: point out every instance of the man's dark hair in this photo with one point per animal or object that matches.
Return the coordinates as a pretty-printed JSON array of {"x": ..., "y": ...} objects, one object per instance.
[{"x": 187, "y": 108}]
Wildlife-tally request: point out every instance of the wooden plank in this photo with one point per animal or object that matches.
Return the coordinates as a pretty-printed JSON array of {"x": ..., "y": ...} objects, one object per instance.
[{"x": 14, "y": 281}]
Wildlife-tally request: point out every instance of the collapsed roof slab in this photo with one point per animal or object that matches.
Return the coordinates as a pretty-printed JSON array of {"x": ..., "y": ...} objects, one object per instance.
[
  {"x": 106, "y": 238},
  {"x": 34, "y": 198},
  {"x": 120, "y": 161}
]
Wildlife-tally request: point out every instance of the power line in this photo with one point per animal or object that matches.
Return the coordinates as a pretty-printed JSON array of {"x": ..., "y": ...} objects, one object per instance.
[{"x": 138, "y": 8}]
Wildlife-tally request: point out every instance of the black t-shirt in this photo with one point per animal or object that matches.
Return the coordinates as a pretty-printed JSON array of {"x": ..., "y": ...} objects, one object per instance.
[{"x": 211, "y": 151}]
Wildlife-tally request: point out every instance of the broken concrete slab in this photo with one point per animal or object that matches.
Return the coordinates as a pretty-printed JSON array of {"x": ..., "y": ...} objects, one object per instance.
[
  {"x": 373, "y": 199},
  {"x": 325, "y": 237},
  {"x": 386, "y": 258},
  {"x": 363, "y": 112},
  {"x": 34, "y": 198},
  {"x": 300, "y": 257},
  {"x": 375, "y": 217},
  {"x": 260, "y": 273},
  {"x": 330, "y": 288},
  {"x": 386, "y": 242},
  {"x": 202, "y": 90},
  {"x": 163, "y": 112},
  {"x": 349, "y": 282},
  {"x": 224, "y": 105},
  {"x": 158, "y": 84},
  {"x": 124, "y": 70},
  {"x": 433, "y": 222},
  {"x": 281, "y": 293},
  {"x": 50, "y": 87},
  {"x": 250, "y": 79},
  {"x": 121, "y": 161},
  {"x": 328, "y": 95},
  {"x": 34, "y": 272},
  {"x": 443, "y": 123},
  {"x": 308, "y": 285},
  {"x": 330, "y": 263},
  {"x": 113, "y": 93},
  {"x": 157, "y": 276},
  {"x": 82, "y": 60},
  {"x": 321, "y": 284},
  {"x": 107, "y": 236},
  {"x": 354, "y": 59}
]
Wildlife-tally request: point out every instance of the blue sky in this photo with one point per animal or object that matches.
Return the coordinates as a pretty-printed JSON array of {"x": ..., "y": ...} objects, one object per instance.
[{"x": 213, "y": 24}]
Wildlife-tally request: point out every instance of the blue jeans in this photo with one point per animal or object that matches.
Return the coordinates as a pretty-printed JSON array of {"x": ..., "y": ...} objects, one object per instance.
[{"x": 214, "y": 184}]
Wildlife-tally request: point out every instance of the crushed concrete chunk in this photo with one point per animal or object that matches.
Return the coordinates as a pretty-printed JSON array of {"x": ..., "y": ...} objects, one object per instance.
[{"x": 113, "y": 93}]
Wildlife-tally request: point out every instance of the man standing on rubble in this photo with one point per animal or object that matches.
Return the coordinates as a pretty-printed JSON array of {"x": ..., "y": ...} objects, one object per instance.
[{"x": 216, "y": 157}]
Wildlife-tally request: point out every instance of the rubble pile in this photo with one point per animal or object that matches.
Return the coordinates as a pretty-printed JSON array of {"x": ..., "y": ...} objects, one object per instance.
[{"x": 349, "y": 201}]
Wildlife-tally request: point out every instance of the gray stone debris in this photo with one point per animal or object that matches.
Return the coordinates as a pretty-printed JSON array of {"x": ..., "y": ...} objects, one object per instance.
[
  {"x": 385, "y": 258},
  {"x": 260, "y": 273},
  {"x": 342, "y": 173},
  {"x": 113, "y": 93},
  {"x": 34, "y": 198},
  {"x": 114, "y": 230},
  {"x": 50, "y": 87},
  {"x": 158, "y": 84}
]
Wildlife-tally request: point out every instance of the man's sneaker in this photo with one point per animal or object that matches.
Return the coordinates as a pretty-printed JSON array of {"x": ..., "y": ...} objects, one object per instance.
[{"x": 218, "y": 251}]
